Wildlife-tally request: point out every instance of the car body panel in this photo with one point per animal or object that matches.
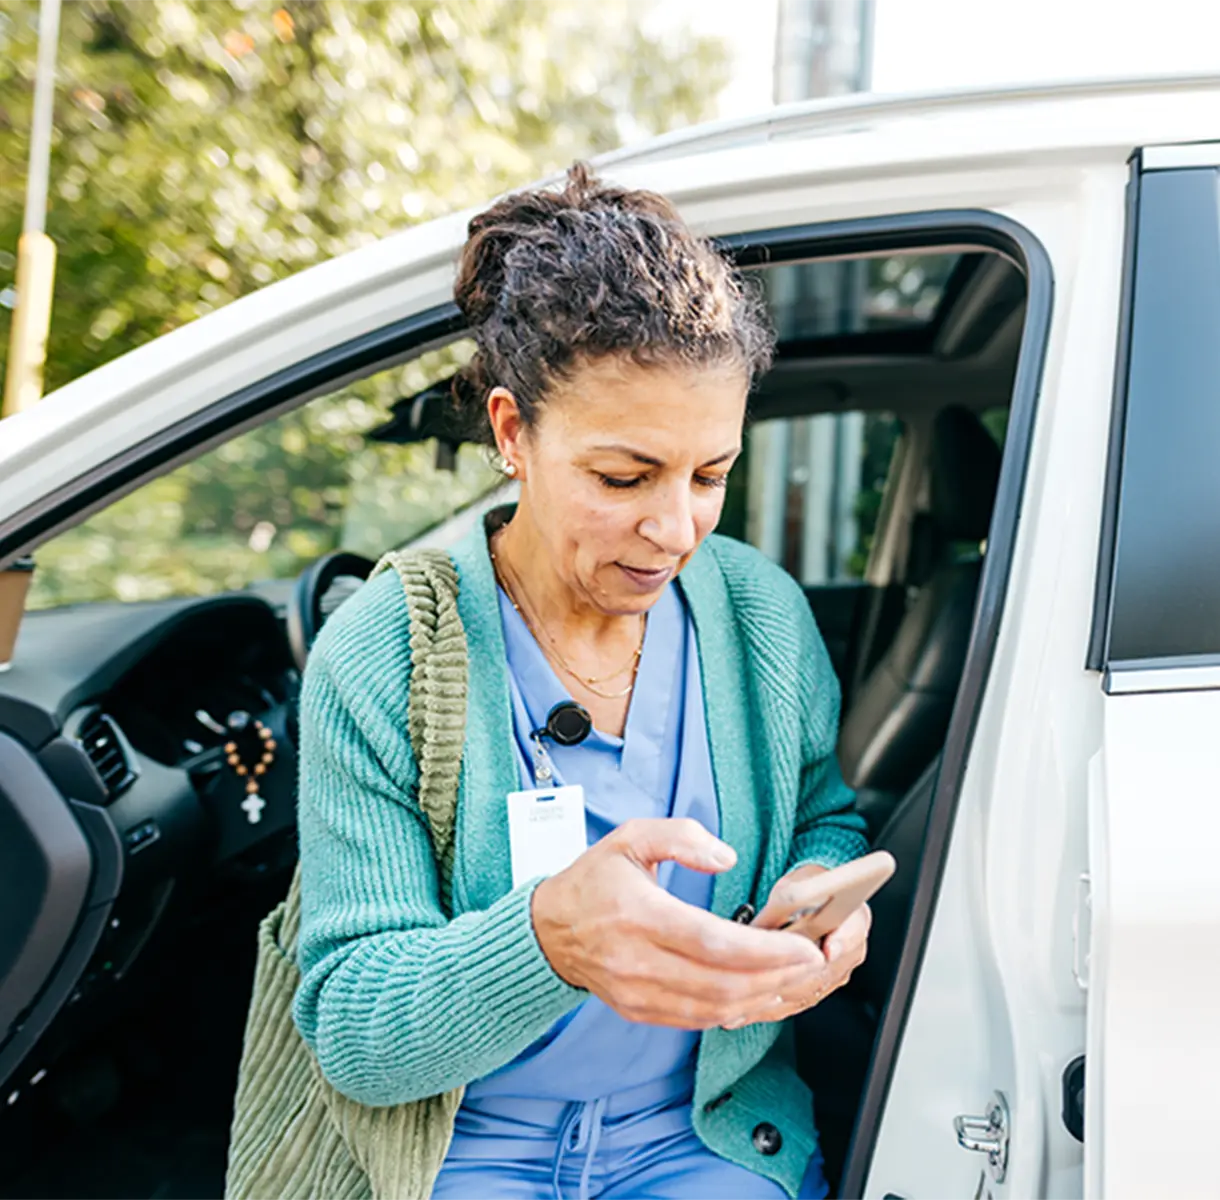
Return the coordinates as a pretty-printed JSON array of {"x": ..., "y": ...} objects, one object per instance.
[{"x": 1154, "y": 971}]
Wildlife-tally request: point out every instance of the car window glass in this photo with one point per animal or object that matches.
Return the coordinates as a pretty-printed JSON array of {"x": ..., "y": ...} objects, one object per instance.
[
  {"x": 1165, "y": 600},
  {"x": 840, "y": 297},
  {"x": 807, "y": 491},
  {"x": 268, "y": 502}
]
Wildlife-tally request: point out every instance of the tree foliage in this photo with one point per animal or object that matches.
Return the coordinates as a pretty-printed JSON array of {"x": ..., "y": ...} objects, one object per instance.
[
  {"x": 266, "y": 503},
  {"x": 206, "y": 148}
]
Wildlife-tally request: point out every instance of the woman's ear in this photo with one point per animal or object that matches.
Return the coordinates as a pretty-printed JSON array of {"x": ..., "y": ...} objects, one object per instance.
[{"x": 508, "y": 428}]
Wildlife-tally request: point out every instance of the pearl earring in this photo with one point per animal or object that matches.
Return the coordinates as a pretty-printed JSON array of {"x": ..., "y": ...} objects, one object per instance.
[{"x": 510, "y": 469}]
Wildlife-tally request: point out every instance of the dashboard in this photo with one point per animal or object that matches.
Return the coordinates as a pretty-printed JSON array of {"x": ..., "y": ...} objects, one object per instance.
[
  {"x": 167, "y": 730},
  {"x": 173, "y": 705}
]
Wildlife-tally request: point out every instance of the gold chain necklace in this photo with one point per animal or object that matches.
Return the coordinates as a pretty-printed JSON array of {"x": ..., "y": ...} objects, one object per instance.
[{"x": 590, "y": 682}]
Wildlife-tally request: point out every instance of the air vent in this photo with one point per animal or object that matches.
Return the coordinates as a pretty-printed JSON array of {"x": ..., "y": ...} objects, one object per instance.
[{"x": 107, "y": 750}]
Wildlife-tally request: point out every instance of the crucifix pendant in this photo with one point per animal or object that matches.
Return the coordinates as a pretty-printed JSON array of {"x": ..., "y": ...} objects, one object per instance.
[
  {"x": 253, "y": 806},
  {"x": 241, "y": 724}
]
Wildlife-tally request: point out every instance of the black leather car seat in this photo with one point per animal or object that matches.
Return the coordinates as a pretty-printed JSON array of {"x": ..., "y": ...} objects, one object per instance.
[{"x": 900, "y": 715}]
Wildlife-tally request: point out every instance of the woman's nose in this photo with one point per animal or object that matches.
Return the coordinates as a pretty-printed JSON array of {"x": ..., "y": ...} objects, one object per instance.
[{"x": 671, "y": 527}]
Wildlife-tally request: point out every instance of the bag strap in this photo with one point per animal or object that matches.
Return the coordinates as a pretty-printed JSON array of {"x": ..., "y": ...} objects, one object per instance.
[
  {"x": 436, "y": 704},
  {"x": 436, "y": 710},
  {"x": 400, "y": 1149}
]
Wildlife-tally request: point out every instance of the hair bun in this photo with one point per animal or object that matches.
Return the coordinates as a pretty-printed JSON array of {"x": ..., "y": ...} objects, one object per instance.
[
  {"x": 532, "y": 215},
  {"x": 551, "y": 276}
]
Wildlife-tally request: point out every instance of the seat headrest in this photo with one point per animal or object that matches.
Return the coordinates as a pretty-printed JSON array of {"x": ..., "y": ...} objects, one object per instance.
[{"x": 965, "y": 470}]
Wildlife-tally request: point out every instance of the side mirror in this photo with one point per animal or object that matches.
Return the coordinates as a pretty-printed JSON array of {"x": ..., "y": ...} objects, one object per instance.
[{"x": 427, "y": 414}]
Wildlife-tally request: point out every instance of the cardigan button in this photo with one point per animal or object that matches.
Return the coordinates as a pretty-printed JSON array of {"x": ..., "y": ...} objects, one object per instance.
[
  {"x": 767, "y": 1139},
  {"x": 713, "y": 1105},
  {"x": 744, "y": 914}
]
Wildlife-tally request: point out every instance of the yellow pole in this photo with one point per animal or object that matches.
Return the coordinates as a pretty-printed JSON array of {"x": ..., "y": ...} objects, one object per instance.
[
  {"x": 27, "y": 349},
  {"x": 35, "y": 251}
]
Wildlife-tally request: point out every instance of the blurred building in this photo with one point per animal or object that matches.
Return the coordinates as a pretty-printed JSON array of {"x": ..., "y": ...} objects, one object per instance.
[
  {"x": 804, "y": 473},
  {"x": 822, "y": 48}
]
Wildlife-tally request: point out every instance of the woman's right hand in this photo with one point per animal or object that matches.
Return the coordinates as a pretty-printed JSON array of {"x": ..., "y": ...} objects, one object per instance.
[{"x": 606, "y": 926}]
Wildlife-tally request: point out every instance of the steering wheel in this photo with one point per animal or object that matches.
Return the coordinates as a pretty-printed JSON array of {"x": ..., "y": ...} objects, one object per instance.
[{"x": 319, "y": 590}]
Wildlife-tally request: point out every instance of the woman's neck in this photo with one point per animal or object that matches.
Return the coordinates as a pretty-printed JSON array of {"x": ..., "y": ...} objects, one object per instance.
[
  {"x": 595, "y": 654},
  {"x": 525, "y": 565}
]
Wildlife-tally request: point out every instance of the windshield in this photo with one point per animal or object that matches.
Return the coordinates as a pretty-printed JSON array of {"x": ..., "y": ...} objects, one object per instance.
[{"x": 268, "y": 502}]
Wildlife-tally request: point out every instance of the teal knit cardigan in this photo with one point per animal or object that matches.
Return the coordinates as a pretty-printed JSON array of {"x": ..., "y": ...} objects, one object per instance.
[{"x": 399, "y": 1001}]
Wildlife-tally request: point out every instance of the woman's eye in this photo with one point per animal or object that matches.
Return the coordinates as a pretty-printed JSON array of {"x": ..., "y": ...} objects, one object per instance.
[
  {"x": 711, "y": 481},
  {"x": 611, "y": 481}
]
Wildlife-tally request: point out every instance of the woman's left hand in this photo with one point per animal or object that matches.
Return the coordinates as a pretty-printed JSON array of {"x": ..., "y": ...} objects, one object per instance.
[{"x": 845, "y": 948}]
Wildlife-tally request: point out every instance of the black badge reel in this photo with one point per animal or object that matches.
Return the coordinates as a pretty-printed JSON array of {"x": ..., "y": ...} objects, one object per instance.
[{"x": 567, "y": 724}]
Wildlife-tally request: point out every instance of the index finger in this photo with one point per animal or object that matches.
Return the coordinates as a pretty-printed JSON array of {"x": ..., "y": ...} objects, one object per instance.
[{"x": 714, "y": 941}]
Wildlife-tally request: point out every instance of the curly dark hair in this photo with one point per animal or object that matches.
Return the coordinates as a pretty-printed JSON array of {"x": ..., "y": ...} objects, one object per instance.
[{"x": 552, "y": 279}]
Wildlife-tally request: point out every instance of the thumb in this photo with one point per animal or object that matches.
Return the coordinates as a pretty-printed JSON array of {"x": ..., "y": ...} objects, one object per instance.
[{"x": 648, "y": 841}]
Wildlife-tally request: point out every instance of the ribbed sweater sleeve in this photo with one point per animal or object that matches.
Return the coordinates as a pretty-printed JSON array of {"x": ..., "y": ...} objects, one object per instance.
[
  {"x": 829, "y": 831},
  {"x": 397, "y": 1001}
]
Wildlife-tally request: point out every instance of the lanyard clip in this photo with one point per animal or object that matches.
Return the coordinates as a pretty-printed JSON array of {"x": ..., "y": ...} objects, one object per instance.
[{"x": 543, "y": 771}]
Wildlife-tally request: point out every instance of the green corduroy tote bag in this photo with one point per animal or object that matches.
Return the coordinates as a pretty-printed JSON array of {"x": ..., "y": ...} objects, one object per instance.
[{"x": 294, "y": 1136}]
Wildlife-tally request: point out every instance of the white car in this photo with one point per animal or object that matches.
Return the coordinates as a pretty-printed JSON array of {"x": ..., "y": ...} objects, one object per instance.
[{"x": 989, "y": 450}]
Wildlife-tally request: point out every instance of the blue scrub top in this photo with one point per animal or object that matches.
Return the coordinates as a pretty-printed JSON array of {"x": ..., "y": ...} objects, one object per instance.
[
  {"x": 660, "y": 767},
  {"x": 600, "y": 1106}
]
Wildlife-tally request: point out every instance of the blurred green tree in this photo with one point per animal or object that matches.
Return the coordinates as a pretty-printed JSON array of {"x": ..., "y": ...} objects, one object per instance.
[{"x": 205, "y": 148}]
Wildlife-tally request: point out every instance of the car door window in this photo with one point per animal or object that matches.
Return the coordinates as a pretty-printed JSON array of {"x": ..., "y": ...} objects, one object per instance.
[
  {"x": 1159, "y": 578},
  {"x": 269, "y": 501}
]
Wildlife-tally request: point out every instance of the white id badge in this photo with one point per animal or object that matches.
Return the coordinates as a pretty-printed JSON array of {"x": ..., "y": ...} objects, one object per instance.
[{"x": 546, "y": 830}]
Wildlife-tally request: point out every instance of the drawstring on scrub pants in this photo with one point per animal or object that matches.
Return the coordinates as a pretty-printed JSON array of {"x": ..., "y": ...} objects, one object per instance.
[{"x": 581, "y": 1130}]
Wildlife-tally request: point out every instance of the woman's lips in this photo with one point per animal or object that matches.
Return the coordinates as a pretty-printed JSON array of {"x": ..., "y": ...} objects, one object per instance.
[{"x": 645, "y": 580}]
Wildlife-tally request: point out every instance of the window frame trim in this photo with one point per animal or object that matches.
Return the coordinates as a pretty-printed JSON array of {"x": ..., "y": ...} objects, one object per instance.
[
  {"x": 1194, "y": 673},
  {"x": 1098, "y": 652}
]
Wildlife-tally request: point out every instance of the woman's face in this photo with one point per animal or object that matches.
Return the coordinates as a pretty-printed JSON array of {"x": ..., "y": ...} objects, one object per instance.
[{"x": 623, "y": 473}]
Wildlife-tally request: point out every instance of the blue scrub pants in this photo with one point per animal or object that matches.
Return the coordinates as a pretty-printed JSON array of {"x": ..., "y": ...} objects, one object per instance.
[{"x": 633, "y": 1145}]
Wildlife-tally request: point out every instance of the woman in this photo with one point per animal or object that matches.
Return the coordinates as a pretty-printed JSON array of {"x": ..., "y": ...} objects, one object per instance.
[{"x": 618, "y": 1032}]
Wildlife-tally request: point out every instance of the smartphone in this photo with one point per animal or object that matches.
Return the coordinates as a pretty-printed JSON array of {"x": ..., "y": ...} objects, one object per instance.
[{"x": 813, "y": 902}]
